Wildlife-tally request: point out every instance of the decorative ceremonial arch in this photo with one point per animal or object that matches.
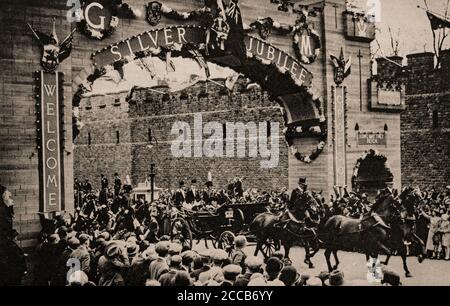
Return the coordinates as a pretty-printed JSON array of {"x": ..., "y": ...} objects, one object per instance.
[
  {"x": 371, "y": 171},
  {"x": 280, "y": 74}
]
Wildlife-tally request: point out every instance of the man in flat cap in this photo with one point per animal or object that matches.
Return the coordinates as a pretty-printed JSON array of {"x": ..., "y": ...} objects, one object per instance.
[
  {"x": 159, "y": 266},
  {"x": 230, "y": 273},
  {"x": 254, "y": 265}
]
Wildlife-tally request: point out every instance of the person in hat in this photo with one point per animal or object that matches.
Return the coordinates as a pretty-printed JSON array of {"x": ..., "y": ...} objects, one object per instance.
[
  {"x": 434, "y": 238},
  {"x": 182, "y": 279},
  {"x": 300, "y": 200},
  {"x": 209, "y": 195},
  {"x": 199, "y": 265},
  {"x": 175, "y": 249},
  {"x": 444, "y": 228},
  {"x": 139, "y": 270},
  {"x": 159, "y": 266},
  {"x": 117, "y": 184},
  {"x": 192, "y": 194},
  {"x": 215, "y": 273},
  {"x": 167, "y": 278},
  {"x": 45, "y": 261},
  {"x": 187, "y": 260},
  {"x": 132, "y": 251},
  {"x": 289, "y": 276},
  {"x": 59, "y": 277},
  {"x": 390, "y": 278},
  {"x": 273, "y": 268},
  {"x": 336, "y": 278},
  {"x": 179, "y": 198},
  {"x": 254, "y": 265},
  {"x": 82, "y": 253},
  {"x": 230, "y": 273},
  {"x": 113, "y": 266},
  {"x": 238, "y": 255}
]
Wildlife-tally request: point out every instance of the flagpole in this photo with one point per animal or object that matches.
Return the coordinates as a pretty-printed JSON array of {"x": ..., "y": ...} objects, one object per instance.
[
  {"x": 32, "y": 30},
  {"x": 71, "y": 33}
]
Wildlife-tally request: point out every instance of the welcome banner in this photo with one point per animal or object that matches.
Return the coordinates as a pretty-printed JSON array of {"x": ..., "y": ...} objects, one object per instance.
[{"x": 50, "y": 137}]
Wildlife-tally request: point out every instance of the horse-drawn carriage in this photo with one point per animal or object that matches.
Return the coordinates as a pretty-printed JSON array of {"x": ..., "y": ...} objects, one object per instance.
[{"x": 219, "y": 226}]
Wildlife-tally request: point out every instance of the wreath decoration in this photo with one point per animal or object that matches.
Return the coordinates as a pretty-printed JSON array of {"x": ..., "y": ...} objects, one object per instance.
[
  {"x": 298, "y": 33},
  {"x": 307, "y": 131},
  {"x": 117, "y": 8}
]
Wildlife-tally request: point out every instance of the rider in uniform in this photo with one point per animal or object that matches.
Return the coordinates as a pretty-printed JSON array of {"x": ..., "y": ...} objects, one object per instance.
[{"x": 297, "y": 204}]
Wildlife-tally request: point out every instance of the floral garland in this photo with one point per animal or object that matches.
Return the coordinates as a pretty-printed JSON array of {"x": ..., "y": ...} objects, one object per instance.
[
  {"x": 156, "y": 9},
  {"x": 298, "y": 33},
  {"x": 116, "y": 7},
  {"x": 320, "y": 131},
  {"x": 174, "y": 50}
]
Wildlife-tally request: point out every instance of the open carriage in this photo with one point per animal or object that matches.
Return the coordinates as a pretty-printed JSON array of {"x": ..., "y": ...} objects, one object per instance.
[{"x": 219, "y": 226}]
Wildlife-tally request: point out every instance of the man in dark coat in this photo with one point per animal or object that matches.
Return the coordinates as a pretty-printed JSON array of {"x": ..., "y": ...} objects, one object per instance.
[
  {"x": 193, "y": 195},
  {"x": 82, "y": 253},
  {"x": 87, "y": 186},
  {"x": 254, "y": 265},
  {"x": 45, "y": 261},
  {"x": 60, "y": 276},
  {"x": 12, "y": 263},
  {"x": 6, "y": 213},
  {"x": 167, "y": 278},
  {"x": 209, "y": 195},
  {"x": 180, "y": 195},
  {"x": 117, "y": 184},
  {"x": 300, "y": 200},
  {"x": 104, "y": 181}
]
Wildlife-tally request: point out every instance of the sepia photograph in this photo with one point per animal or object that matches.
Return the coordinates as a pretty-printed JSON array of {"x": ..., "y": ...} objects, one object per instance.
[{"x": 224, "y": 143}]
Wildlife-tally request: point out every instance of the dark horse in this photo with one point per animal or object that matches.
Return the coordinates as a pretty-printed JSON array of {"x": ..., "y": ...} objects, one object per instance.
[
  {"x": 371, "y": 234},
  {"x": 271, "y": 229},
  {"x": 404, "y": 240}
]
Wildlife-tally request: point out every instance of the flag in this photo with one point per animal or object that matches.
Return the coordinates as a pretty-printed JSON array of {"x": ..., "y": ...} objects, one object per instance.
[
  {"x": 170, "y": 67},
  {"x": 65, "y": 48},
  {"x": 200, "y": 61},
  {"x": 235, "y": 42},
  {"x": 437, "y": 22},
  {"x": 231, "y": 80}
]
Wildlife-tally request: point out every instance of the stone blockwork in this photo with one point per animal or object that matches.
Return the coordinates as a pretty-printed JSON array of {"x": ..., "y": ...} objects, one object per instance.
[
  {"x": 425, "y": 124},
  {"x": 156, "y": 113},
  {"x": 19, "y": 58}
]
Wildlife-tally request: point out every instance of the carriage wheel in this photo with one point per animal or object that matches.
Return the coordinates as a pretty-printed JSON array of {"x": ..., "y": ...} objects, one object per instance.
[
  {"x": 269, "y": 247},
  {"x": 226, "y": 241},
  {"x": 181, "y": 231}
]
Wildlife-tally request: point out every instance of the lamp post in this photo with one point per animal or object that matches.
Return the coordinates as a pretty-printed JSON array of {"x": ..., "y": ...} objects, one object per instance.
[
  {"x": 152, "y": 182},
  {"x": 152, "y": 168}
]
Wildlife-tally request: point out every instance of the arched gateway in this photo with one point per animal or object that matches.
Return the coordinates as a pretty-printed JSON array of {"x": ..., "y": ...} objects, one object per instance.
[{"x": 313, "y": 60}]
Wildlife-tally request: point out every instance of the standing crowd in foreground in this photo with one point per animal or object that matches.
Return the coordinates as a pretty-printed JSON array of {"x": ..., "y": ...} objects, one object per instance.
[{"x": 113, "y": 240}]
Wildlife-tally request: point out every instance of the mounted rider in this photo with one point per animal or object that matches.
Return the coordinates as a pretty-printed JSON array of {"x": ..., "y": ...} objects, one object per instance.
[
  {"x": 298, "y": 208},
  {"x": 378, "y": 200}
]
